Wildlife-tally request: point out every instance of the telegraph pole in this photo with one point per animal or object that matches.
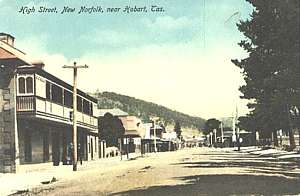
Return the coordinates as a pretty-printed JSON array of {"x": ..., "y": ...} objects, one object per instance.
[
  {"x": 75, "y": 67},
  {"x": 222, "y": 133},
  {"x": 154, "y": 132}
]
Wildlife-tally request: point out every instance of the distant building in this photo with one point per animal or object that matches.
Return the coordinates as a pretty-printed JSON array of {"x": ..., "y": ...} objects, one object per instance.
[
  {"x": 248, "y": 138},
  {"x": 194, "y": 141},
  {"x": 171, "y": 136},
  {"x": 152, "y": 133},
  {"x": 149, "y": 131},
  {"x": 134, "y": 132}
]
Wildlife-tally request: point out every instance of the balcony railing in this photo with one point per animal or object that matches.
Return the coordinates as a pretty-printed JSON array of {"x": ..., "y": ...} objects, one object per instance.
[
  {"x": 39, "y": 105},
  {"x": 25, "y": 103}
]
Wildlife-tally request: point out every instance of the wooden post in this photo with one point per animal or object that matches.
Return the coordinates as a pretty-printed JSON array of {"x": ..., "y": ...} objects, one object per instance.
[
  {"x": 120, "y": 142},
  {"x": 222, "y": 134},
  {"x": 75, "y": 118},
  {"x": 75, "y": 67},
  {"x": 154, "y": 133},
  {"x": 127, "y": 147}
]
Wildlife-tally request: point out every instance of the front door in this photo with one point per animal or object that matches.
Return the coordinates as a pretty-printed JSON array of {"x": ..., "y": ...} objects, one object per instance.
[
  {"x": 46, "y": 146},
  {"x": 92, "y": 149},
  {"x": 27, "y": 146},
  {"x": 55, "y": 148}
]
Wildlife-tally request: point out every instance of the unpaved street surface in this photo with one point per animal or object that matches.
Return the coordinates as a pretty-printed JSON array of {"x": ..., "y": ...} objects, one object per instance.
[{"x": 197, "y": 171}]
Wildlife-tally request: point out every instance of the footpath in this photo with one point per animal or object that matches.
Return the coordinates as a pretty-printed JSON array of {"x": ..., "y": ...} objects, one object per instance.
[
  {"x": 34, "y": 175},
  {"x": 272, "y": 152}
]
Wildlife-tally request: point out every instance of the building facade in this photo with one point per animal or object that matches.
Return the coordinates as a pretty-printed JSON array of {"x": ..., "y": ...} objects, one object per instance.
[
  {"x": 38, "y": 127},
  {"x": 134, "y": 132},
  {"x": 44, "y": 116}
]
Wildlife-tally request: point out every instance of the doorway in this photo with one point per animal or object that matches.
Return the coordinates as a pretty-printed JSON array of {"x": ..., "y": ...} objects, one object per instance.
[
  {"x": 46, "y": 146},
  {"x": 55, "y": 148},
  {"x": 92, "y": 149},
  {"x": 27, "y": 146}
]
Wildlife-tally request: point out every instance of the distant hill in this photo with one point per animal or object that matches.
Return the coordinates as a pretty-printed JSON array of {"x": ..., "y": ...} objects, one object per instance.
[{"x": 144, "y": 109}]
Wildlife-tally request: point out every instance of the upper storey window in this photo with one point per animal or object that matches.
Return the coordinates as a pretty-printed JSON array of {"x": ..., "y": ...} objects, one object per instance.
[
  {"x": 57, "y": 94},
  {"x": 48, "y": 90},
  {"x": 22, "y": 85},
  {"x": 29, "y": 85},
  {"x": 25, "y": 85}
]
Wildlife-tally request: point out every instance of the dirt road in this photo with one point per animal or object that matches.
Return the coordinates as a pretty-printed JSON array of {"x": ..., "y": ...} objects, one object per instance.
[{"x": 198, "y": 171}]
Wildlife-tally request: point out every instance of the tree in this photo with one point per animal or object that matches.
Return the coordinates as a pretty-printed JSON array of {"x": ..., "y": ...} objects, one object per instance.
[
  {"x": 248, "y": 123},
  {"x": 271, "y": 71},
  {"x": 177, "y": 129},
  {"x": 163, "y": 127},
  {"x": 210, "y": 125},
  {"x": 110, "y": 129}
]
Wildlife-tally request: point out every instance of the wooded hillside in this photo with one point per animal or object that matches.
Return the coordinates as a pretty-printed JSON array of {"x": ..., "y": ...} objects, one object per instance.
[{"x": 144, "y": 109}]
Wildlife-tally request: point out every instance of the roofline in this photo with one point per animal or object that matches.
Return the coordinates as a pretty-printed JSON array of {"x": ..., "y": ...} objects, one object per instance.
[
  {"x": 16, "y": 52},
  {"x": 56, "y": 79},
  {"x": 123, "y": 115},
  {"x": 22, "y": 56},
  {"x": 2, "y": 33}
]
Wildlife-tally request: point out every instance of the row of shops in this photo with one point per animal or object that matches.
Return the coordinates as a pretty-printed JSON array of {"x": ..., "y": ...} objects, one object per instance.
[{"x": 36, "y": 117}]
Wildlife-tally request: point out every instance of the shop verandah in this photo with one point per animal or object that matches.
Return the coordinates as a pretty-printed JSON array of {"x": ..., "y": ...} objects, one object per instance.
[{"x": 43, "y": 141}]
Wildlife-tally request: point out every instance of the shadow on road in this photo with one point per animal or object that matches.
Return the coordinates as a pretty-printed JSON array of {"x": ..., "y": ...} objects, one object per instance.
[
  {"x": 224, "y": 185},
  {"x": 262, "y": 166},
  {"x": 259, "y": 176}
]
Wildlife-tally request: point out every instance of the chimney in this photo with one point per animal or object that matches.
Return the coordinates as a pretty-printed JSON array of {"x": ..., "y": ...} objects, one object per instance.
[
  {"x": 38, "y": 64},
  {"x": 8, "y": 39}
]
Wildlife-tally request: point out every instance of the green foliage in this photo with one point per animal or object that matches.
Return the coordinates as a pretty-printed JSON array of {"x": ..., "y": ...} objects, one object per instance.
[
  {"x": 177, "y": 129},
  {"x": 110, "y": 129},
  {"x": 272, "y": 70},
  {"x": 144, "y": 110},
  {"x": 211, "y": 124}
]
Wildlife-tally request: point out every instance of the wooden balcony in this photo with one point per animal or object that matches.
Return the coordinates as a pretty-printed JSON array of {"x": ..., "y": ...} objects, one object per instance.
[
  {"x": 45, "y": 109},
  {"x": 25, "y": 103}
]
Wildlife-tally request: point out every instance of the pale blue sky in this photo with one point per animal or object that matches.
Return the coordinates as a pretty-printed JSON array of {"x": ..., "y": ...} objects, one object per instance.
[{"x": 179, "y": 58}]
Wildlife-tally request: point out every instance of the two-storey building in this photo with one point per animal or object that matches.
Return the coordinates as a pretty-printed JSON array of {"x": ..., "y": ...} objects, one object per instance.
[
  {"x": 44, "y": 115},
  {"x": 43, "y": 106}
]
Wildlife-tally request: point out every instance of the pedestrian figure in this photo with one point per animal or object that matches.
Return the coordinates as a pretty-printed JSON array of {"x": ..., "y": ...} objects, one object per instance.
[
  {"x": 80, "y": 153},
  {"x": 240, "y": 143},
  {"x": 70, "y": 154}
]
